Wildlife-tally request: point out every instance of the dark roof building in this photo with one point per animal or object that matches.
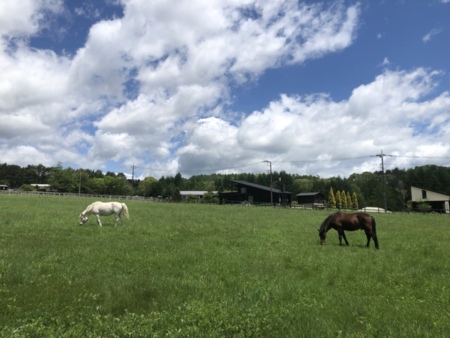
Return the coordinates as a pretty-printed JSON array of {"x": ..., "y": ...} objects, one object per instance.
[
  {"x": 311, "y": 199},
  {"x": 255, "y": 194}
]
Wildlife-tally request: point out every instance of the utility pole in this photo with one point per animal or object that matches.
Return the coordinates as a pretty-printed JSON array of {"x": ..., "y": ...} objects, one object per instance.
[
  {"x": 79, "y": 185},
  {"x": 381, "y": 155},
  {"x": 132, "y": 179},
  {"x": 270, "y": 170}
]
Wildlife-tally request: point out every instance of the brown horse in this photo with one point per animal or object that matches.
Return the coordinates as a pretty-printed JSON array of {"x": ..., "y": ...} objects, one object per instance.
[{"x": 350, "y": 222}]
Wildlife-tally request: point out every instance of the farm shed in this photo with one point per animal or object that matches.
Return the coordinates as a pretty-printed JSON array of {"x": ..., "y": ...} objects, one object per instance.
[
  {"x": 41, "y": 187},
  {"x": 199, "y": 193},
  {"x": 254, "y": 194},
  {"x": 439, "y": 202},
  {"x": 3, "y": 187},
  {"x": 311, "y": 199}
]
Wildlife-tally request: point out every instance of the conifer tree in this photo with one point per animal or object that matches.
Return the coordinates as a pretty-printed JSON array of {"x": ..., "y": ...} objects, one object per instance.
[
  {"x": 355, "y": 201},
  {"x": 349, "y": 200},
  {"x": 338, "y": 200},
  {"x": 331, "y": 199},
  {"x": 344, "y": 200}
]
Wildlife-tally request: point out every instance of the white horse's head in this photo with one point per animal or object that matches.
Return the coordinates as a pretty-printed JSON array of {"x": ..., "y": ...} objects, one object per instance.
[{"x": 83, "y": 219}]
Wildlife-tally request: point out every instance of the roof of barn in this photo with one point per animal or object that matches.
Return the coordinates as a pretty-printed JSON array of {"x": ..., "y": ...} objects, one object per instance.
[
  {"x": 258, "y": 186},
  {"x": 309, "y": 194}
]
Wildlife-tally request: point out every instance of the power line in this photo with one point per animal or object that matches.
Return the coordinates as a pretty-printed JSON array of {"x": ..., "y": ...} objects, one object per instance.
[
  {"x": 324, "y": 160},
  {"x": 423, "y": 157},
  {"x": 207, "y": 170},
  {"x": 381, "y": 155}
]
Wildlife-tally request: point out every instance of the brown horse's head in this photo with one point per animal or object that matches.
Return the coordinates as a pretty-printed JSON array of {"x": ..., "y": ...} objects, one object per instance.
[
  {"x": 322, "y": 235},
  {"x": 324, "y": 228}
]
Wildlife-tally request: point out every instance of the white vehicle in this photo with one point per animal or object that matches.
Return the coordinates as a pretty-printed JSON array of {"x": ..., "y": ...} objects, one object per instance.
[{"x": 374, "y": 209}]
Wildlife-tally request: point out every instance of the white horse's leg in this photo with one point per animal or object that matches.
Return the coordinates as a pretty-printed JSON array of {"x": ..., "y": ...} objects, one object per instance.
[{"x": 98, "y": 219}]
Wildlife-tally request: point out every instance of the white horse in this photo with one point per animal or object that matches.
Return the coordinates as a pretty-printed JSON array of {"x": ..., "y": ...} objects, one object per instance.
[{"x": 105, "y": 209}]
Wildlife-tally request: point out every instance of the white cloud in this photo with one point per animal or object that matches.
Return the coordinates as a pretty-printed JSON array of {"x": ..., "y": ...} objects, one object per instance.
[
  {"x": 427, "y": 37},
  {"x": 385, "y": 62},
  {"x": 25, "y": 17},
  {"x": 301, "y": 133},
  {"x": 153, "y": 88},
  {"x": 24, "y": 155}
]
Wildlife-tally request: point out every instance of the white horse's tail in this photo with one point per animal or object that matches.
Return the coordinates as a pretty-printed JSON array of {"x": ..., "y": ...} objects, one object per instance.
[{"x": 125, "y": 211}]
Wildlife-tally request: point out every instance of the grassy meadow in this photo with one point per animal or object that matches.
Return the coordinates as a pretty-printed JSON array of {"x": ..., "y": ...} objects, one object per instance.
[{"x": 185, "y": 270}]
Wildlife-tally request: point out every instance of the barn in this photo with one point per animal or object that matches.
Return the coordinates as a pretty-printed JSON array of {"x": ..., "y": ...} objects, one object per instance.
[
  {"x": 3, "y": 187},
  {"x": 254, "y": 194},
  {"x": 439, "y": 202},
  {"x": 186, "y": 194},
  {"x": 311, "y": 200},
  {"x": 41, "y": 187}
]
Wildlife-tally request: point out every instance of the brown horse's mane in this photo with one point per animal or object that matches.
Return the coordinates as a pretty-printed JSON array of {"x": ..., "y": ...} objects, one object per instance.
[{"x": 325, "y": 223}]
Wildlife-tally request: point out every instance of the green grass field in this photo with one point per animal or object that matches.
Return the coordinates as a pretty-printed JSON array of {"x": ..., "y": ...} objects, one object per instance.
[{"x": 184, "y": 270}]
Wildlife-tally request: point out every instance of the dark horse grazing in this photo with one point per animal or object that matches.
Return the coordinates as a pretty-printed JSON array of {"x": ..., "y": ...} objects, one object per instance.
[{"x": 350, "y": 222}]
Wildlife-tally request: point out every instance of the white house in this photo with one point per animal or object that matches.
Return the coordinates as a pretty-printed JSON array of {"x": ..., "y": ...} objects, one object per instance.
[{"x": 439, "y": 202}]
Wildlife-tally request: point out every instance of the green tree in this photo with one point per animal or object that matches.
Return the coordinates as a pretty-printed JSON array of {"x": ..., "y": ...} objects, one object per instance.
[
  {"x": 116, "y": 185},
  {"x": 85, "y": 181},
  {"x": 355, "y": 204},
  {"x": 409, "y": 206},
  {"x": 331, "y": 199},
  {"x": 302, "y": 185},
  {"x": 344, "y": 200},
  {"x": 424, "y": 206},
  {"x": 178, "y": 181},
  {"x": 176, "y": 195},
  {"x": 146, "y": 186},
  {"x": 338, "y": 200},
  {"x": 210, "y": 198},
  {"x": 349, "y": 201},
  {"x": 370, "y": 187},
  {"x": 99, "y": 185},
  {"x": 98, "y": 174},
  {"x": 26, "y": 187},
  {"x": 11, "y": 175},
  {"x": 63, "y": 180}
]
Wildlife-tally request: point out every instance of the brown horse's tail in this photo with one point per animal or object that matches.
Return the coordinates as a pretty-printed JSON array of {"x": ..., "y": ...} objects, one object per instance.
[
  {"x": 374, "y": 232},
  {"x": 374, "y": 226}
]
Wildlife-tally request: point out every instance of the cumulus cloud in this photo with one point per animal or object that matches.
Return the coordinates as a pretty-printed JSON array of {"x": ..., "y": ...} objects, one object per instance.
[
  {"x": 316, "y": 135},
  {"x": 153, "y": 88},
  {"x": 24, "y": 18}
]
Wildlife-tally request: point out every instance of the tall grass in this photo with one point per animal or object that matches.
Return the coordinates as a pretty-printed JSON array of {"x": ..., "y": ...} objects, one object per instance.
[{"x": 217, "y": 271}]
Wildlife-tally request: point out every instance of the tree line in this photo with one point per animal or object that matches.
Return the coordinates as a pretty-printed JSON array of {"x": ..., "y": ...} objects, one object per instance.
[{"x": 370, "y": 188}]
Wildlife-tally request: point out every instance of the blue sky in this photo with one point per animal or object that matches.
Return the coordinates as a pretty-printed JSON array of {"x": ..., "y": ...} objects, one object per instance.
[{"x": 315, "y": 87}]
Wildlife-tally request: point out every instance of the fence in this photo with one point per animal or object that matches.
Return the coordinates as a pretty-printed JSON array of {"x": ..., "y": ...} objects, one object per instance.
[{"x": 64, "y": 194}]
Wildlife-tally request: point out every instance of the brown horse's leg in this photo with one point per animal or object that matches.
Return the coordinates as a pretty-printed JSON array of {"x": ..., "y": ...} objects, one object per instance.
[
  {"x": 345, "y": 238},
  {"x": 342, "y": 234},
  {"x": 375, "y": 239},
  {"x": 368, "y": 235},
  {"x": 371, "y": 234}
]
